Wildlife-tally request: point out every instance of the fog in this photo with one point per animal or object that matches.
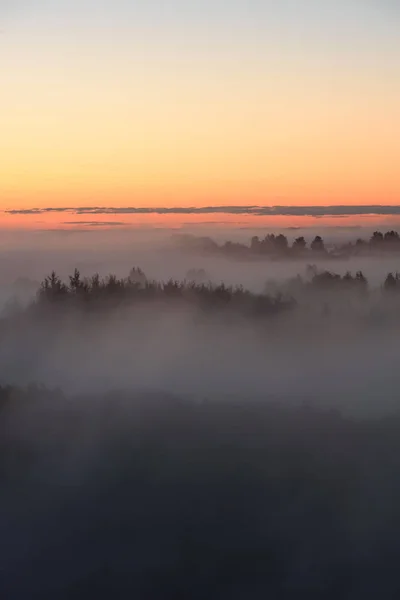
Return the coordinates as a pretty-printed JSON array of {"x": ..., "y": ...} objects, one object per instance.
[
  {"x": 298, "y": 354},
  {"x": 344, "y": 364},
  {"x": 164, "y": 443},
  {"x": 34, "y": 255}
]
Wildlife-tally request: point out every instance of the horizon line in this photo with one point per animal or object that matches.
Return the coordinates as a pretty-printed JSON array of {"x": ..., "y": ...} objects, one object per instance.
[{"x": 250, "y": 210}]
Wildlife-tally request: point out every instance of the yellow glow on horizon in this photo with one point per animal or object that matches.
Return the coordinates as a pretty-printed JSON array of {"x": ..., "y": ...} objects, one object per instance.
[{"x": 84, "y": 131}]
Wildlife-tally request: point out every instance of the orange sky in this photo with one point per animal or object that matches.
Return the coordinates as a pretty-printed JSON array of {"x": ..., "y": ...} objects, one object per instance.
[
  {"x": 179, "y": 222},
  {"x": 121, "y": 110}
]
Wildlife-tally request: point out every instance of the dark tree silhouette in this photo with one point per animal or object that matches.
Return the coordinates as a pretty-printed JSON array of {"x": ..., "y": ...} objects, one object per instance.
[
  {"x": 281, "y": 243},
  {"x": 114, "y": 291},
  {"x": 277, "y": 246},
  {"x": 391, "y": 239},
  {"x": 52, "y": 288},
  {"x": 299, "y": 245},
  {"x": 391, "y": 282},
  {"x": 76, "y": 284},
  {"x": 255, "y": 244},
  {"x": 377, "y": 238},
  {"x": 317, "y": 245}
]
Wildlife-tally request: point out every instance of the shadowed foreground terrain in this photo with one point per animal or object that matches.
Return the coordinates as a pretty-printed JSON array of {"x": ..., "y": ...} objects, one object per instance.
[
  {"x": 252, "y": 450},
  {"x": 153, "y": 496}
]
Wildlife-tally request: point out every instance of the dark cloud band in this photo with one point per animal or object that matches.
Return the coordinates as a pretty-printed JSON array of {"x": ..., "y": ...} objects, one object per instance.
[
  {"x": 96, "y": 223},
  {"x": 292, "y": 211}
]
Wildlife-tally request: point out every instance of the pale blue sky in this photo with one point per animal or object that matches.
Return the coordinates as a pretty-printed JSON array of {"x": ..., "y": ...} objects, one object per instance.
[
  {"x": 319, "y": 34},
  {"x": 365, "y": 25}
]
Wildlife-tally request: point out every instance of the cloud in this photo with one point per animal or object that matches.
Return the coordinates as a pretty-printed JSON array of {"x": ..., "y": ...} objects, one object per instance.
[
  {"x": 37, "y": 211},
  {"x": 292, "y": 211},
  {"x": 96, "y": 223},
  {"x": 25, "y": 211}
]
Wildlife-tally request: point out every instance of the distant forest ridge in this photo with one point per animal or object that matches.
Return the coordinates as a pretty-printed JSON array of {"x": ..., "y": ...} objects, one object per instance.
[
  {"x": 197, "y": 291},
  {"x": 278, "y": 246}
]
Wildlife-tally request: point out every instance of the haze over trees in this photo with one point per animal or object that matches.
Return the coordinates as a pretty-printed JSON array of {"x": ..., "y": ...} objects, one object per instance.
[
  {"x": 196, "y": 291},
  {"x": 278, "y": 246},
  {"x": 183, "y": 438}
]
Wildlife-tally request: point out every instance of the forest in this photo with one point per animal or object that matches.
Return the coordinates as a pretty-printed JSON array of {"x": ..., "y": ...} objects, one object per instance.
[
  {"x": 277, "y": 246},
  {"x": 186, "y": 439},
  {"x": 196, "y": 291}
]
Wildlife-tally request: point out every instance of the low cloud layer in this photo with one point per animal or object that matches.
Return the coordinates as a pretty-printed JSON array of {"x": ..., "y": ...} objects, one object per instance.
[
  {"x": 96, "y": 223},
  {"x": 306, "y": 211}
]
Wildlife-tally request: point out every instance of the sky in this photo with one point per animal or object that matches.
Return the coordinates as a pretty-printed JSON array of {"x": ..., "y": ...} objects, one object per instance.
[{"x": 172, "y": 103}]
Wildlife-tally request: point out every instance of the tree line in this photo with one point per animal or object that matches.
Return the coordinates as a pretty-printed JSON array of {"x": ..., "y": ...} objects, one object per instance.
[
  {"x": 137, "y": 288},
  {"x": 111, "y": 290},
  {"x": 279, "y": 246}
]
